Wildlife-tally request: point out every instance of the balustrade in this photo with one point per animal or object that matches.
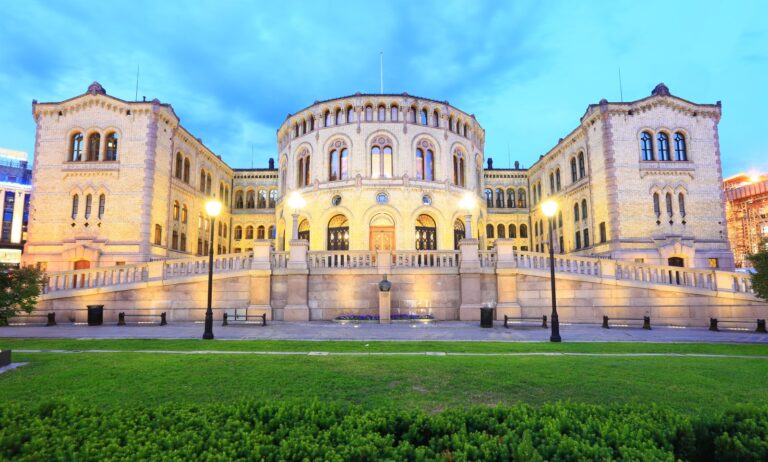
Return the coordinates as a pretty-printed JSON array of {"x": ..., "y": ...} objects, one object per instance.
[
  {"x": 342, "y": 259},
  {"x": 425, "y": 259},
  {"x": 96, "y": 277}
]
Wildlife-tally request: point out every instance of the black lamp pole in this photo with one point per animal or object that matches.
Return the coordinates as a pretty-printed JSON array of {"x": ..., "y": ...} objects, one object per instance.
[
  {"x": 555, "y": 336},
  {"x": 208, "y": 333}
]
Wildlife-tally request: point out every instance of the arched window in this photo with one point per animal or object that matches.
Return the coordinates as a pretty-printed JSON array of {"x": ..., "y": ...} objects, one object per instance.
[
  {"x": 424, "y": 117},
  {"x": 260, "y": 232},
  {"x": 184, "y": 213},
  {"x": 262, "y": 201},
  {"x": 186, "y": 170},
  {"x": 521, "y": 202},
  {"x": 202, "y": 181},
  {"x": 183, "y": 242},
  {"x": 574, "y": 176},
  {"x": 512, "y": 232},
  {"x": 303, "y": 168},
  {"x": 250, "y": 199},
  {"x": 338, "y": 233},
  {"x": 426, "y": 233},
  {"x": 304, "y": 229},
  {"x": 175, "y": 240},
  {"x": 238, "y": 233},
  {"x": 249, "y": 232},
  {"x": 350, "y": 114},
  {"x": 551, "y": 182},
  {"x": 271, "y": 232},
  {"x": 425, "y": 159},
  {"x": 295, "y": 130},
  {"x": 88, "y": 204},
  {"x": 76, "y": 147},
  {"x": 582, "y": 167},
  {"x": 465, "y": 130},
  {"x": 369, "y": 113},
  {"x": 583, "y": 209},
  {"x": 458, "y": 169},
  {"x": 489, "y": 231},
  {"x": 412, "y": 115},
  {"x": 111, "y": 153},
  {"x": 488, "y": 198},
  {"x": 450, "y": 123},
  {"x": 646, "y": 146},
  {"x": 225, "y": 231},
  {"x": 381, "y": 158},
  {"x": 102, "y": 205},
  {"x": 557, "y": 180},
  {"x": 576, "y": 212},
  {"x": 458, "y": 126},
  {"x": 272, "y": 198},
  {"x": 303, "y": 126},
  {"x": 208, "y": 184},
  {"x": 681, "y": 204},
  {"x": 680, "y": 152},
  {"x": 501, "y": 231},
  {"x": 663, "y": 145},
  {"x": 499, "y": 198},
  {"x": 394, "y": 113},
  {"x": 511, "y": 198},
  {"x": 669, "y": 204},
  {"x": 311, "y": 123},
  {"x": 327, "y": 118},
  {"x": 656, "y": 205},
  {"x": 436, "y": 119},
  {"x": 75, "y": 205},
  {"x": 339, "y": 116},
  {"x": 94, "y": 142},
  {"x": 179, "y": 165},
  {"x": 560, "y": 219},
  {"x": 524, "y": 231},
  {"x": 338, "y": 161},
  {"x": 176, "y": 210},
  {"x": 239, "y": 200},
  {"x": 382, "y": 113}
]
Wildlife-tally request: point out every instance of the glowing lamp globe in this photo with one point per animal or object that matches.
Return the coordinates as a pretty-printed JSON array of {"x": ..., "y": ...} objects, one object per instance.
[
  {"x": 213, "y": 208},
  {"x": 467, "y": 202},
  {"x": 549, "y": 208},
  {"x": 295, "y": 201}
]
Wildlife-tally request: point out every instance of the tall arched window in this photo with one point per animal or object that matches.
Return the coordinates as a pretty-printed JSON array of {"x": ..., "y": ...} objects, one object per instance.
[
  {"x": 350, "y": 114},
  {"x": 339, "y": 116},
  {"x": 303, "y": 169},
  {"x": 327, "y": 118},
  {"x": 458, "y": 168},
  {"x": 75, "y": 205},
  {"x": 551, "y": 182},
  {"x": 574, "y": 175},
  {"x": 250, "y": 199},
  {"x": 489, "y": 231},
  {"x": 208, "y": 184},
  {"x": 426, "y": 233},
  {"x": 669, "y": 204},
  {"x": 680, "y": 151},
  {"x": 524, "y": 231},
  {"x": 489, "y": 198},
  {"x": 646, "y": 146},
  {"x": 272, "y": 198},
  {"x": 369, "y": 113},
  {"x": 425, "y": 160},
  {"x": 184, "y": 213},
  {"x": 94, "y": 142},
  {"x": 512, "y": 232},
  {"x": 394, "y": 113},
  {"x": 412, "y": 115},
  {"x": 76, "y": 147},
  {"x": 338, "y": 233},
  {"x": 459, "y": 233},
  {"x": 176, "y": 210},
  {"x": 102, "y": 205},
  {"x": 656, "y": 205},
  {"x": 501, "y": 231},
  {"x": 557, "y": 180},
  {"x": 663, "y": 144},
  {"x": 511, "y": 198},
  {"x": 311, "y": 123},
  {"x": 381, "y": 158},
  {"x": 450, "y": 123},
  {"x": 262, "y": 199},
  {"x": 186, "y": 170},
  {"x": 424, "y": 117},
  {"x": 583, "y": 209},
  {"x": 111, "y": 153},
  {"x": 338, "y": 161},
  {"x": 681, "y": 204},
  {"x": 260, "y": 232},
  {"x": 499, "y": 198},
  {"x": 436, "y": 119},
  {"x": 304, "y": 229},
  {"x": 582, "y": 167},
  {"x": 382, "y": 113},
  {"x": 238, "y": 233},
  {"x": 271, "y": 232},
  {"x": 521, "y": 202},
  {"x": 202, "y": 181},
  {"x": 183, "y": 242},
  {"x": 239, "y": 203},
  {"x": 88, "y": 205},
  {"x": 303, "y": 126},
  {"x": 179, "y": 166},
  {"x": 576, "y": 212},
  {"x": 249, "y": 232}
]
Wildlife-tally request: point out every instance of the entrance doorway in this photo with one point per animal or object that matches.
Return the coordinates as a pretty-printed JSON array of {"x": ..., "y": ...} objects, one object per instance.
[
  {"x": 674, "y": 276},
  {"x": 382, "y": 238},
  {"x": 80, "y": 265}
]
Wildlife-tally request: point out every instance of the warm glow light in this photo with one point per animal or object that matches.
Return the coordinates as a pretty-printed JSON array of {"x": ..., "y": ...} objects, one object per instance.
[
  {"x": 213, "y": 208},
  {"x": 468, "y": 202},
  {"x": 549, "y": 208},
  {"x": 754, "y": 178},
  {"x": 296, "y": 202}
]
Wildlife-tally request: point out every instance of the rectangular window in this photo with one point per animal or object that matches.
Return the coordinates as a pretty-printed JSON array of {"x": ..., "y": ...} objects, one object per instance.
[
  {"x": 8, "y": 205},
  {"x": 119, "y": 263},
  {"x": 158, "y": 235},
  {"x": 578, "y": 240},
  {"x": 586, "y": 238},
  {"x": 639, "y": 260},
  {"x": 713, "y": 263},
  {"x": 42, "y": 266},
  {"x": 602, "y": 232}
]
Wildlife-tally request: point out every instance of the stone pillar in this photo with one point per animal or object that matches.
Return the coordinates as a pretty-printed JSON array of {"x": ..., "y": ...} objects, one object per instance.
[
  {"x": 470, "y": 277},
  {"x": 260, "y": 279},
  {"x": 385, "y": 307},
  {"x": 608, "y": 269},
  {"x": 297, "y": 277},
  {"x": 155, "y": 270},
  {"x": 506, "y": 280}
]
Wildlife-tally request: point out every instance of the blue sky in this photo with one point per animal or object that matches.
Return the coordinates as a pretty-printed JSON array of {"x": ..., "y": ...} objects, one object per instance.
[{"x": 527, "y": 70}]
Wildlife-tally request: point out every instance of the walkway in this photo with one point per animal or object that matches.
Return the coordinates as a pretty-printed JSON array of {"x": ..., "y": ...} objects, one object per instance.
[{"x": 441, "y": 331}]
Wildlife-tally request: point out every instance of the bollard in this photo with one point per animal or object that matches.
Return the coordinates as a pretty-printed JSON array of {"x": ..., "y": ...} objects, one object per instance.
[
  {"x": 51, "y": 319},
  {"x": 605, "y": 322},
  {"x": 506, "y": 318},
  {"x": 713, "y": 324},
  {"x": 264, "y": 319},
  {"x": 225, "y": 320},
  {"x": 761, "y": 326},
  {"x": 121, "y": 319},
  {"x": 162, "y": 319},
  {"x": 647, "y": 322},
  {"x": 544, "y": 321}
]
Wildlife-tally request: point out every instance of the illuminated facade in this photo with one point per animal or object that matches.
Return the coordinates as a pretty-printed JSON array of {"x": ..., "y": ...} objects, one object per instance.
[
  {"x": 747, "y": 211},
  {"x": 15, "y": 187}
]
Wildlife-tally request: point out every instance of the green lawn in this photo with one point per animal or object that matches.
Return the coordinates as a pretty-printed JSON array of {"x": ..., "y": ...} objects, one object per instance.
[{"x": 688, "y": 384}]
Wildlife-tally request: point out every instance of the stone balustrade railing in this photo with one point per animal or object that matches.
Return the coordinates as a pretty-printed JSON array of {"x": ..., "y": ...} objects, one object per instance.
[
  {"x": 563, "y": 263},
  {"x": 425, "y": 259},
  {"x": 199, "y": 265},
  {"x": 279, "y": 259},
  {"x": 341, "y": 259},
  {"x": 688, "y": 277},
  {"x": 96, "y": 277},
  {"x": 487, "y": 258}
]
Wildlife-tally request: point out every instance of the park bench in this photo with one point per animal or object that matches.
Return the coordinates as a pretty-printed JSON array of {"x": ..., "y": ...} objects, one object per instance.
[
  {"x": 121, "y": 317},
  {"x": 244, "y": 319},
  {"x": 646, "y": 321},
  {"x": 50, "y": 318},
  {"x": 543, "y": 319},
  {"x": 714, "y": 322}
]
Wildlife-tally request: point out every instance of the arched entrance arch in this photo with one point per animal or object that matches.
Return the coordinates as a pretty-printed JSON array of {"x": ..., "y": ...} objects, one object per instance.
[
  {"x": 338, "y": 233},
  {"x": 304, "y": 229},
  {"x": 382, "y": 232},
  {"x": 459, "y": 233},
  {"x": 426, "y": 233}
]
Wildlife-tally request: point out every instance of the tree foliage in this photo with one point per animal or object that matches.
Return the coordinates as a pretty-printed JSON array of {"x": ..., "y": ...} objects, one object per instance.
[
  {"x": 760, "y": 278},
  {"x": 19, "y": 289}
]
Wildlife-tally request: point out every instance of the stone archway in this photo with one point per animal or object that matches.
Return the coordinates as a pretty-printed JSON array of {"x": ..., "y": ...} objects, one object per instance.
[{"x": 381, "y": 232}]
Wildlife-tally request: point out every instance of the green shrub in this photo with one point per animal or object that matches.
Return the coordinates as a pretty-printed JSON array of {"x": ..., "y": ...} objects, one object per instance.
[{"x": 317, "y": 431}]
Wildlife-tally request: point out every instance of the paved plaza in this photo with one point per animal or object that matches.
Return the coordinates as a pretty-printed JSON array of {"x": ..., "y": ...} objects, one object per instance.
[{"x": 439, "y": 331}]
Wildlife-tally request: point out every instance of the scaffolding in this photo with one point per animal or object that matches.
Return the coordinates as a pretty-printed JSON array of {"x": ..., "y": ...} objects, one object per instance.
[{"x": 747, "y": 215}]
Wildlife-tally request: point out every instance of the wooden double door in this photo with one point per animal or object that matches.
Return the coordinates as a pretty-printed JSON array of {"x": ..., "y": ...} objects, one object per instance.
[{"x": 382, "y": 238}]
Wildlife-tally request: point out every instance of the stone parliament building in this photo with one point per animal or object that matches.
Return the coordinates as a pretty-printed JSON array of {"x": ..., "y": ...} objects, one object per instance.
[{"x": 390, "y": 183}]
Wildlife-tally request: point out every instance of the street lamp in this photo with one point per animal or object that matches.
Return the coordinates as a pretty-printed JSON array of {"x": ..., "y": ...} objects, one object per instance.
[
  {"x": 212, "y": 208},
  {"x": 550, "y": 209},
  {"x": 468, "y": 203},
  {"x": 296, "y": 202}
]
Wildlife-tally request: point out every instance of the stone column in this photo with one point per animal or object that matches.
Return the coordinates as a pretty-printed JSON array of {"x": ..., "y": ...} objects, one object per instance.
[
  {"x": 260, "y": 279},
  {"x": 297, "y": 277},
  {"x": 506, "y": 280},
  {"x": 470, "y": 277}
]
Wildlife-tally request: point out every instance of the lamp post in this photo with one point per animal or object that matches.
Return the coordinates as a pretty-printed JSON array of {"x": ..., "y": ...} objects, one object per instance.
[
  {"x": 212, "y": 208},
  {"x": 550, "y": 209},
  {"x": 296, "y": 202},
  {"x": 468, "y": 203}
]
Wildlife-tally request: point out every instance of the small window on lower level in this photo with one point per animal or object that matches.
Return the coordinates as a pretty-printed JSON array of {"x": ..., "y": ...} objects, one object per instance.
[
  {"x": 42, "y": 266},
  {"x": 713, "y": 263},
  {"x": 119, "y": 263},
  {"x": 639, "y": 260}
]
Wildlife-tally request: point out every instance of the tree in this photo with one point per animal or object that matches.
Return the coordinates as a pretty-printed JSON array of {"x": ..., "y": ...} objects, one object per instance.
[
  {"x": 19, "y": 289},
  {"x": 760, "y": 277}
]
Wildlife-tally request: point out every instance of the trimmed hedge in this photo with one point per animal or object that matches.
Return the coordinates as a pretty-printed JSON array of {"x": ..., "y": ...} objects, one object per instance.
[{"x": 318, "y": 431}]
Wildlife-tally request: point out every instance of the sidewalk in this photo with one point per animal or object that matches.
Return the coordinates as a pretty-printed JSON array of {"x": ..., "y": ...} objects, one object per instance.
[{"x": 441, "y": 331}]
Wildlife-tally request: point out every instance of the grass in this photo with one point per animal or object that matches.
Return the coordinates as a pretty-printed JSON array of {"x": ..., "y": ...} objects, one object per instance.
[{"x": 688, "y": 384}]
